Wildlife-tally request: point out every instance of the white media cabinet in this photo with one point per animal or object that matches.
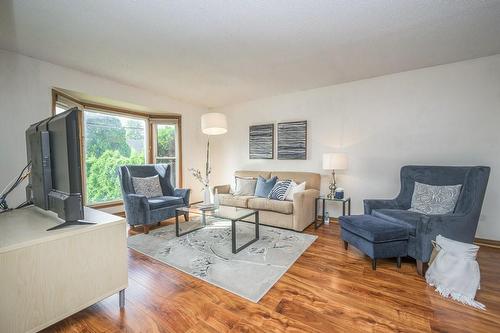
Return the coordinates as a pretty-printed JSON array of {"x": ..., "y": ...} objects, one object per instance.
[{"x": 46, "y": 276}]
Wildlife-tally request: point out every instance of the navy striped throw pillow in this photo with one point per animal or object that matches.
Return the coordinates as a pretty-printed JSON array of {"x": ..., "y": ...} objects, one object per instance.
[{"x": 280, "y": 190}]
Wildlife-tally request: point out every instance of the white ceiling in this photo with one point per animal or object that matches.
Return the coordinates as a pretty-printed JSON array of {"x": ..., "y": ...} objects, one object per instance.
[{"x": 219, "y": 52}]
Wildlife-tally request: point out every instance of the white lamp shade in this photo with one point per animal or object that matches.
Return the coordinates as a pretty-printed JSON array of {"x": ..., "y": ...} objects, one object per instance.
[
  {"x": 334, "y": 161},
  {"x": 213, "y": 123}
]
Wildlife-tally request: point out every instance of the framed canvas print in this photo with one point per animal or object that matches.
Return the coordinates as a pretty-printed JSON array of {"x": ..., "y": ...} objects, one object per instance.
[
  {"x": 292, "y": 140},
  {"x": 261, "y": 142}
]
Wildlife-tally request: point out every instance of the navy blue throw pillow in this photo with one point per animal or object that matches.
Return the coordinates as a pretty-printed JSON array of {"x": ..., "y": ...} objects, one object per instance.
[
  {"x": 264, "y": 186},
  {"x": 280, "y": 190}
]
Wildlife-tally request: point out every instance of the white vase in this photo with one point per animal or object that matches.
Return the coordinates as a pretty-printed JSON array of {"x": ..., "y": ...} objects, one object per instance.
[
  {"x": 206, "y": 195},
  {"x": 216, "y": 198}
]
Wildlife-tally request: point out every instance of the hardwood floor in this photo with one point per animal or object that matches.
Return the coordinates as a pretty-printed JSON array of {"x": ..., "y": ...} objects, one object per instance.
[{"x": 328, "y": 289}]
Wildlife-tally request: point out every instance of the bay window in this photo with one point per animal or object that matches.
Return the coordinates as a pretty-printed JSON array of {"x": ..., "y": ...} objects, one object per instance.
[{"x": 112, "y": 137}]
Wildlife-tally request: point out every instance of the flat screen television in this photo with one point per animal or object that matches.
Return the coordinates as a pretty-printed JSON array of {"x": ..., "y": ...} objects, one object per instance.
[{"x": 55, "y": 183}]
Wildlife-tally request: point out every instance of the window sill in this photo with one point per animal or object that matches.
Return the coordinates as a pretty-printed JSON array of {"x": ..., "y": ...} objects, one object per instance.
[{"x": 106, "y": 204}]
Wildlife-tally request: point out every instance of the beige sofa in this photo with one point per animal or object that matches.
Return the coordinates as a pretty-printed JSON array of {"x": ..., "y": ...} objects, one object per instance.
[{"x": 296, "y": 214}]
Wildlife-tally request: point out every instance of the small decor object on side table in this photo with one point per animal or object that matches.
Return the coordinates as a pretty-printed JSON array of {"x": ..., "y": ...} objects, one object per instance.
[
  {"x": 346, "y": 203},
  {"x": 334, "y": 161},
  {"x": 339, "y": 193}
]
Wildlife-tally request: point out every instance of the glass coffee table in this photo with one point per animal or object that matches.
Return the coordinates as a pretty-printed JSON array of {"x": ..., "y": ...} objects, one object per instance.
[{"x": 233, "y": 214}]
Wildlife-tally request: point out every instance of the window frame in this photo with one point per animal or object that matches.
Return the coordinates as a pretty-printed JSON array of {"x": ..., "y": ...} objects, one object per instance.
[
  {"x": 150, "y": 119},
  {"x": 153, "y": 123}
]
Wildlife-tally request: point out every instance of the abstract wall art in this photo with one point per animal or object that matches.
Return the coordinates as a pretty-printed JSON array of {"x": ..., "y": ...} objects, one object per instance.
[
  {"x": 292, "y": 140},
  {"x": 261, "y": 142}
]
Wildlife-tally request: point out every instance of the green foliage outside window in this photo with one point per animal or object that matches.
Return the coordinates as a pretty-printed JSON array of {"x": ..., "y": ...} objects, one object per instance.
[
  {"x": 166, "y": 141},
  {"x": 103, "y": 183},
  {"x": 110, "y": 145},
  {"x": 113, "y": 141},
  {"x": 105, "y": 133},
  {"x": 165, "y": 147}
]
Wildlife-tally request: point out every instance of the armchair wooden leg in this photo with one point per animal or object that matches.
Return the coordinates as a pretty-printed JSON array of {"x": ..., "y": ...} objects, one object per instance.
[
  {"x": 374, "y": 264},
  {"x": 346, "y": 245},
  {"x": 146, "y": 228},
  {"x": 186, "y": 217},
  {"x": 422, "y": 267}
]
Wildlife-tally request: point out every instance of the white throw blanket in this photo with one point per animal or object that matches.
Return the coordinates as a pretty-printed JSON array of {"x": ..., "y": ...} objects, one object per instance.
[{"x": 455, "y": 271}]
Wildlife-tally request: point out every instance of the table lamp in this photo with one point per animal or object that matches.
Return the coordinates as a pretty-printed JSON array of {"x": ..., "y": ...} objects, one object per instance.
[{"x": 334, "y": 161}]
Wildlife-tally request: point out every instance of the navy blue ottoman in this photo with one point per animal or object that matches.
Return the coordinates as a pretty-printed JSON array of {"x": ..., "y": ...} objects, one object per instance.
[{"x": 375, "y": 237}]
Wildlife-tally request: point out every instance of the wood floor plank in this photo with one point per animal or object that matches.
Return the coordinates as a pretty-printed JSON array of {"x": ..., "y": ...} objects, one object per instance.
[
  {"x": 342, "y": 300},
  {"x": 328, "y": 289}
]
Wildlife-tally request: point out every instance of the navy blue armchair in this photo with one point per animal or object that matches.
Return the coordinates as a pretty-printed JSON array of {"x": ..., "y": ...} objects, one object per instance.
[
  {"x": 141, "y": 210},
  {"x": 460, "y": 225}
]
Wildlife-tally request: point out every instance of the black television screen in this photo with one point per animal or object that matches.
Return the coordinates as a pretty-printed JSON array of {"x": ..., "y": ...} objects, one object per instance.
[{"x": 53, "y": 147}]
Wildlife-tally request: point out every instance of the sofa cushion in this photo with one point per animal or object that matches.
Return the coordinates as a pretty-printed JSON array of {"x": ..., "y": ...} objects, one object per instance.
[
  {"x": 295, "y": 188},
  {"x": 275, "y": 219},
  {"x": 373, "y": 229},
  {"x": 245, "y": 186},
  {"x": 234, "y": 200},
  {"x": 283, "y": 207},
  {"x": 264, "y": 186},
  {"x": 164, "y": 201},
  {"x": 401, "y": 216},
  {"x": 280, "y": 190}
]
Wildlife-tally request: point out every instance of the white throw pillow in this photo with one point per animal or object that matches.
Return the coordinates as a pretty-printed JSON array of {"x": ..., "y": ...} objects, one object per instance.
[
  {"x": 434, "y": 200},
  {"x": 294, "y": 188},
  {"x": 148, "y": 186},
  {"x": 245, "y": 186}
]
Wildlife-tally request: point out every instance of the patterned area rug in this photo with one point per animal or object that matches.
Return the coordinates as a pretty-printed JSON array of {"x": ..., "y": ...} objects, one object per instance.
[{"x": 206, "y": 254}]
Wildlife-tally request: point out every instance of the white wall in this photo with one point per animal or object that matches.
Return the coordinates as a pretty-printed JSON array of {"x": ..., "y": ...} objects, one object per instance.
[
  {"x": 25, "y": 97},
  {"x": 443, "y": 115}
]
